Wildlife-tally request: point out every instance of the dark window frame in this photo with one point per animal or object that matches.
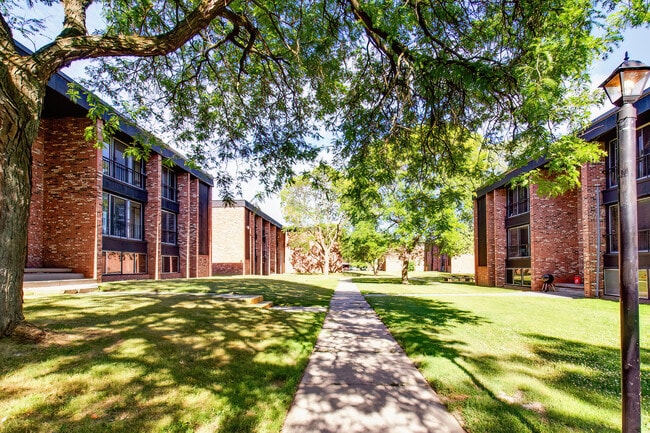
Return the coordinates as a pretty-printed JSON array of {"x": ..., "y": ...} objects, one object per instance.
[
  {"x": 168, "y": 228},
  {"x": 112, "y": 225},
  {"x": 518, "y": 249},
  {"x": 517, "y": 200}
]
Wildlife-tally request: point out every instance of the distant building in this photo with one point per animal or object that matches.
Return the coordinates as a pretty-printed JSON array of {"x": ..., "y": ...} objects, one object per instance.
[{"x": 245, "y": 241}]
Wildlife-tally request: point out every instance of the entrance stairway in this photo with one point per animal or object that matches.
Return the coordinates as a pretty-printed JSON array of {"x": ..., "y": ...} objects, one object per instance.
[{"x": 56, "y": 280}]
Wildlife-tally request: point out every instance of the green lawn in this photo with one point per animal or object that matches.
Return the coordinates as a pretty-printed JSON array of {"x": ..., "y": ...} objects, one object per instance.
[
  {"x": 183, "y": 363},
  {"x": 515, "y": 363}
]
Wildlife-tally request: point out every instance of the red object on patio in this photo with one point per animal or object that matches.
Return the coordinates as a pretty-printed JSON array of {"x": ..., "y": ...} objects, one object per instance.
[{"x": 577, "y": 280}]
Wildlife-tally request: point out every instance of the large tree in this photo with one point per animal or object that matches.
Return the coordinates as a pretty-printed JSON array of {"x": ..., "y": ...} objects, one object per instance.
[{"x": 245, "y": 78}]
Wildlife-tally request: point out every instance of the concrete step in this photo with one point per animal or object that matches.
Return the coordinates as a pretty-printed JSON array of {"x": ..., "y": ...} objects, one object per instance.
[
  {"x": 46, "y": 270},
  {"x": 47, "y": 276},
  {"x": 78, "y": 285}
]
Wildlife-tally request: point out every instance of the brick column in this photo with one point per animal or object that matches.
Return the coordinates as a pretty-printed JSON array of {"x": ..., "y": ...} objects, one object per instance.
[
  {"x": 194, "y": 227},
  {"x": 35, "y": 232},
  {"x": 259, "y": 260},
  {"x": 500, "y": 237},
  {"x": 183, "y": 222},
  {"x": 152, "y": 212},
  {"x": 592, "y": 179},
  {"x": 273, "y": 240}
]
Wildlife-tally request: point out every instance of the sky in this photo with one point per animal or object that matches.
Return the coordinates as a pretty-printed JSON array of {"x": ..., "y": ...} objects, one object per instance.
[{"x": 635, "y": 41}]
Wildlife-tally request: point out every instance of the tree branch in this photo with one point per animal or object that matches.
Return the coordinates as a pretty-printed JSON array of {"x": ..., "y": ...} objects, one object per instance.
[
  {"x": 74, "y": 21},
  {"x": 61, "y": 52}
]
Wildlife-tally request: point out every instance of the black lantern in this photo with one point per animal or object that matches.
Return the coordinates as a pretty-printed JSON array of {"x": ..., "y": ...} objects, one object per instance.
[{"x": 626, "y": 83}]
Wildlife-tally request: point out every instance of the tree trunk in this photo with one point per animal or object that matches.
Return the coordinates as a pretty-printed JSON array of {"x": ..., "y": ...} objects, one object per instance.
[
  {"x": 326, "y": 261},
  {"x": 405, "y": 270},
  {"x": 22, "y": 99}
]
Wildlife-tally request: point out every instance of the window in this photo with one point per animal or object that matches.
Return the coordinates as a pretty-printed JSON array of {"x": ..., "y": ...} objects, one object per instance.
[
  {"x": 643, "y": 222},
  {"x": 518, "y": 277},
  {"x": 121, "y": 217},
  {"x": 168, "y": 225},
  {"x": 169, "y": 184},
  {"x": 612, "y": 228},
  {"x": 612, "y": 157},
  {"x": 117, "y": 262},
  {"x": 518, "y": 242},
  {"x": 517, "y": 200},
  {"x": 118, "y": 165},
  {"x": 643, "y": 151},
  {"x": 170, "y": 264}
]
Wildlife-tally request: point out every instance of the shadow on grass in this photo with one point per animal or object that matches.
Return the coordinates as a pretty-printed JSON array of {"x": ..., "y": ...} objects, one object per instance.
[
  {"x": 424, "y": 328},
  {"x": 149, "y": 363},
  {"x": 279, "y": 291}
]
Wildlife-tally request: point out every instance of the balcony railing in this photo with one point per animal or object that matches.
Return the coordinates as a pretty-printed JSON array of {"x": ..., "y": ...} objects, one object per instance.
[
  {"x": 517, "y": 208},
  {"x": 516, "y": 251},
  {"x": 123, "y": 173}
]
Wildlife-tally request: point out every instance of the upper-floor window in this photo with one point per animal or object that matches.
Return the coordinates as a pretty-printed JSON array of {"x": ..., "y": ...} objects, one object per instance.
[
  {"x": 643, "y": 151},
  {"x": 118, "y": 165},
  {"x": 168, "y": 225},
  {"x": 121, "y": 217},
  {"x": 517, "y": 200},
  {"x": 519, "y": 242},
  {"x": 612, "y": 158},
  {"x": 169, "y": 184}
]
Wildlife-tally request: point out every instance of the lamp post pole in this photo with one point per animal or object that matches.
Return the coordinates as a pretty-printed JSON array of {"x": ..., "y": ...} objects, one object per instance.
[
  {"x": 624, "y": 87},
  {"x": 629, "y": 271}
]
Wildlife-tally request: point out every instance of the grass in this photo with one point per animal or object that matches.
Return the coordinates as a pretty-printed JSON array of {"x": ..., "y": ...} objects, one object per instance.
[
  {"x": 515, "y": 363},
  {"x": 285, "y": 290},
  {"x": 131, "y": 362}
]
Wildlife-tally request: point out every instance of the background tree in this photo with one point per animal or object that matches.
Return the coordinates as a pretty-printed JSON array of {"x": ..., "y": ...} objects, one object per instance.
[
  {"x": 365, "y": 245},
  {"x": 412, "y": 205},
  {"x": 310, "y": 205}
]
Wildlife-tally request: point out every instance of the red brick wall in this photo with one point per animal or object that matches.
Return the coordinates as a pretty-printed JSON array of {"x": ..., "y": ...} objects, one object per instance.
[
  {"x": 554, "y": 237},
  {"x": 183, "y": 223},
  {"x": 71, "y": 215}
]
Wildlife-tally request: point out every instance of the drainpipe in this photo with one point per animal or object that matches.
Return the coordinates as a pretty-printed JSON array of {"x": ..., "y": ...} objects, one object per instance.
[{"x": 598, "y": 241}]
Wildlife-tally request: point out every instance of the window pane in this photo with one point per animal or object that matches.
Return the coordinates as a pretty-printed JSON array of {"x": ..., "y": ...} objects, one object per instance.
[
  {"x": 118, "y": 217},
  {"x": 510, "y": 276},
  {"x": 174, "y": 266},
  {"x": 141, "y": 263},
  {"x": 112, "y": 262},
  {"x": 135, "y": 223},
  {"x": 128, "y": 263},
  {"x": 105, "y": 213},
  {"x": 643, "y": 283},
  {"x": 526, "y": 277},
  {"x": 613, "y": 228}
]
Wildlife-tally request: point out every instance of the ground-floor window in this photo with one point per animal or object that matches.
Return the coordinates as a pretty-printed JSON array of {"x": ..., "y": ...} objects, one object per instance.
[
  {"x": 170, "y": 264},
  {"x": 612, "y": 286},
  {"x": 119, "y": 262},
  {"x": 518, "y": 276}
]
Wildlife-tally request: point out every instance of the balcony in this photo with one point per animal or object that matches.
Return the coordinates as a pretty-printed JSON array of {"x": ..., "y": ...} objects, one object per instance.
[{"x": 123, "y": 173}]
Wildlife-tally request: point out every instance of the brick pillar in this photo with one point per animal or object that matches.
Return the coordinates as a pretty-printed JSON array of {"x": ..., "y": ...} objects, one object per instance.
[
  {"x": 194, "y": 227},
  {"x": 266, "y": 239},
  {"x": 592, "y": 179},
  {"x": 35, "y": 231},
  {"x": 152, "y": 212},
  {"x": 500, "y": 237},
  {"x": 273, "y": 239},
  {"x": 258, "y": 246},
  {"x": 183, "y": 222},
  {"x": 282, "y": 250}
]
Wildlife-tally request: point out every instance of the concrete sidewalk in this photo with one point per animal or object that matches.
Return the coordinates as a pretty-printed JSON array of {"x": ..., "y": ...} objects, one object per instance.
[{"x": 360, "y": 380}]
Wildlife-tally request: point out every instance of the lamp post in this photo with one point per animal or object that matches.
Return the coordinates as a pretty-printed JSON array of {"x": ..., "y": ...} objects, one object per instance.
[{"x": 624, "y": 87}]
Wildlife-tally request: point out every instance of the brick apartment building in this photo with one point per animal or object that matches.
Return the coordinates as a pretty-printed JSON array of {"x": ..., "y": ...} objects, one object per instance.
[
  {"x": 520, "y": 236},
  {"x": 245, "y": 241},
  {"x": 105, "y": 215}
]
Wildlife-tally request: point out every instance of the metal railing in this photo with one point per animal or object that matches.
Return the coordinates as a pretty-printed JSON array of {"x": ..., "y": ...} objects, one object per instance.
[{"x": 123, "y": 173}]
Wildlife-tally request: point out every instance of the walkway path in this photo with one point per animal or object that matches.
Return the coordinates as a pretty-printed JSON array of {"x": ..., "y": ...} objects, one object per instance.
[{"x": 360, "y": 380}]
